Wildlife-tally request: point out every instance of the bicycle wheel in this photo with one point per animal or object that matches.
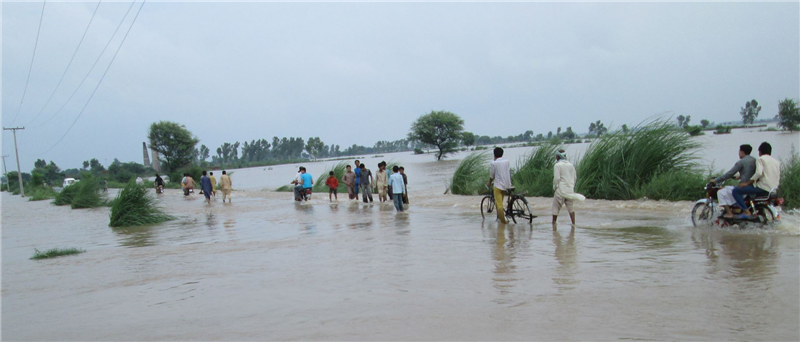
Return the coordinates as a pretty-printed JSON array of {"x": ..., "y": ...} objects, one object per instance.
[
  {"x": 702, "y": 214},
  {"x": 487, "y": 206},
  {"x": 520, "y": 208}
]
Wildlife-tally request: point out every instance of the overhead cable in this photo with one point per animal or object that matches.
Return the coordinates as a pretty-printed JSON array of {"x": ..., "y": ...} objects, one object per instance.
[
  {"x": 35, "y": 45},
  {"x": 101, "y": 79},
  {"x": 68, "y": 65}
]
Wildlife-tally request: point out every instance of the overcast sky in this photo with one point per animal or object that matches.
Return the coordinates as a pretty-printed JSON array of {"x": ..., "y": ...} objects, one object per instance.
[{"x": 362, "y": 72}]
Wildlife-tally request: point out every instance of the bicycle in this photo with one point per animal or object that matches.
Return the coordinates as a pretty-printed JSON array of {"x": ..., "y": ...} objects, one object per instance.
[{"x": 516, "y": 206}]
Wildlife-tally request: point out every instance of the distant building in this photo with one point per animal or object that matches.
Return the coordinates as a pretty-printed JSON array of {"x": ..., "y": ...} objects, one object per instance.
[
  {"x": 156, "y": 161},
  {"x": 146, "y": 157}
]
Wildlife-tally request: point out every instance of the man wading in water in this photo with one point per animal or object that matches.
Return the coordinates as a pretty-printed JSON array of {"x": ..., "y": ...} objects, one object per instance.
[
  {"x": 500, "y": 175},
  {"x": 564, "y": 178}
]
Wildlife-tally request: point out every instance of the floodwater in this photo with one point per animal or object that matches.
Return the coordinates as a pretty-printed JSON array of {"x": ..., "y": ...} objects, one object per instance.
[{"x": 266, "y": 268}]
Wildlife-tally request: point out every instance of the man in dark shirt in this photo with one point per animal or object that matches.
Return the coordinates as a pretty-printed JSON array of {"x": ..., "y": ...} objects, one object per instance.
[
  {"x": 745, "y": 167},
  {"x": 405, "y": 182}
]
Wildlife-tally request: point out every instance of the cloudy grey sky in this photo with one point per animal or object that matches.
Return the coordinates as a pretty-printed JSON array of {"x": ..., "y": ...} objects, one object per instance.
[{"x": 363, "y": 72}]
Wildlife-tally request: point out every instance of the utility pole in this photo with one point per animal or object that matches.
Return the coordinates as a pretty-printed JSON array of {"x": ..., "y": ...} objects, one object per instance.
[
  {"x": 19, "y": 170},
  {"x": 5, "y": 172}
]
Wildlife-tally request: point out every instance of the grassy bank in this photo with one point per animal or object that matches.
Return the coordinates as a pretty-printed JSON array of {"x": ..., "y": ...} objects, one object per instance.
[
  {"x": 41, "y": 193},
  {"x": 54, "y": 252},
  {"x": 534, "y": 175},
  {"x": 134, "y": 207}
]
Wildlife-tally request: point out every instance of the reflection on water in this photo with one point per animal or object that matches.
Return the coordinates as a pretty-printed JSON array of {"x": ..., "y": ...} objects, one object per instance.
[
  {"x": 740, "y": 255},
  {"x": 566, "y": 254},
  {"x": 136, "y": 236},
  {"x": 507, "y": 242}
]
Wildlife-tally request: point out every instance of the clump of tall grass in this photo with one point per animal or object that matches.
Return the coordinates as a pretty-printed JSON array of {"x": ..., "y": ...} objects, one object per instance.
[
  {"x": 618, "y": 167},
  {"x": 54, "y": 252},
  {"x": 534, "y": 175},
  {"x": 471, "y": 175},
  {"x": 790, "y": 182},
  {"x": 134, "y": 207},
  {"x": 285, "y": 188},
  {"x": 41, "y": 193},
  {"x": 675, "y": 186},
  {"x": 87, "y": 194},
  {"x": 64, "y": 197},
  {"x": 338, "y": 171}
]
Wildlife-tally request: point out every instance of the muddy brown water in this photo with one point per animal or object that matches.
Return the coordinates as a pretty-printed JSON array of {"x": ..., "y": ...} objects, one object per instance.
[{"x": 265, "y": 268}]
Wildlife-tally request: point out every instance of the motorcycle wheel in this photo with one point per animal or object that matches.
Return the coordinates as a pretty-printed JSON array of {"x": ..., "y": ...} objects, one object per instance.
[
  {"x": 765, "y": 216},
  {"x": 702, "y": 214}
]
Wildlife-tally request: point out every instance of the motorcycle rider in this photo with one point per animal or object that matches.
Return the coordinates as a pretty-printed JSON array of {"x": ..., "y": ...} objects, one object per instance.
[
  {"x": 745, "y": 167},
  {"x": 766, "y": 178}
]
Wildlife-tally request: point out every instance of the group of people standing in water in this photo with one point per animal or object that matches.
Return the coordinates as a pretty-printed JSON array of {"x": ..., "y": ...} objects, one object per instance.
[{"x": 383, "y": 182}]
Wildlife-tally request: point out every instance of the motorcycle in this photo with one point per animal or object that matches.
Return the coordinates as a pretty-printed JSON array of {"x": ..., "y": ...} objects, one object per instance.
[{"x": 707, "y": 211}]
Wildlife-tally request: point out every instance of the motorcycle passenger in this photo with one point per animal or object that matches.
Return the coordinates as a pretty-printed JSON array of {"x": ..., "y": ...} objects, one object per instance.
[
  {"x": 298, "y": 184},
  {"x": 159, "y": 183},
  {"x": 766, "y": 178},
  {"x": 745, "y": 167},
  {"x": 308, "y": 183}
]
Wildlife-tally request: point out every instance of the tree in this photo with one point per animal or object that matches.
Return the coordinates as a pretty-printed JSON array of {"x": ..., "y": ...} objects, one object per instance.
[
  {"x": 40, "y": 163},
  {"x": 85, "y": 164},
  {"x": 174, "y": 142},
  {"x": 468, "y": 138},
  {"x": 681, "y": 121},
  {"x": 788, "y": 115},
  {"x": 438, "y": 128},
  {"x": 704, "y": 123},
  {"x": 314, "y": 146},
  {"x": 528, "y": 135},
  {"x": 750, "y": 112},
  {"x": 204, "y": 153},
  {"x": 549, "y": 135},
  {"x": 625, "y": 129},
  {"x": 597, "y": 128},
  {"x": 569, "y": 134}
]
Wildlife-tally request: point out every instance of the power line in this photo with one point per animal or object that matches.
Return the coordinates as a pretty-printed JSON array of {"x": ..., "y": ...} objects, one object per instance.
[
  {"x": 101, "y": 79},
  {"x": 31, "y": 66},
  {"x": 90, "y": 70},
  {"x": 68, "y": 65}
]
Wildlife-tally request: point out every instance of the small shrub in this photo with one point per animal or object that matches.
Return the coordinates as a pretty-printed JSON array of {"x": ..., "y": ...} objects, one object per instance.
[
  {"x": 722, "y": 130},
  {"x": 133, "y": 207},
  {"x": 54, "y": 252},
  {"x": 418, "y": 151},
  {"x": 694, "y": 130}
]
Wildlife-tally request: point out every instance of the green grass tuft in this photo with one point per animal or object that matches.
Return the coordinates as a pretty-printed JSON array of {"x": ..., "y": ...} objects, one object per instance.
[
  {"x": 54, "y": 252},
  {"x": 87, "y": 194},
  {"x": 535, "y": 174},
  {"x": 338, "y": 171},
  {"x": 675, "y": 186},
  {"x": 790, "y": 182},
  {"x": 618, "y": 167},
  {"x": 134, "y": 207},
  {"x": 64, "y": 197},
  {"x": 471, "y": 175}
]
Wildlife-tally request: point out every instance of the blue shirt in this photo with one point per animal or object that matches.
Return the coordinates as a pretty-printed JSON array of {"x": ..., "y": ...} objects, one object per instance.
[
  {"x": 358, "y": 174},
  {"x": 396, "y": 182},
  {"x": 205, "y": 184},
  {"x": 306, "y": 180}
]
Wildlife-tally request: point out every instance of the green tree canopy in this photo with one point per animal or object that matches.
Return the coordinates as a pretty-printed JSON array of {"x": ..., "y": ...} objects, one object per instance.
[
  {"x": 468, "y": 138},
  {"x": 788, "y": 115},
  {"x": 438, "y": 128},
  {"x": 174, "y": 142},
  {"x": 750, "y": 112}
]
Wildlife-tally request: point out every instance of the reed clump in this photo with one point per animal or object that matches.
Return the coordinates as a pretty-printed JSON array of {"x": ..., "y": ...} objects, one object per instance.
[
  {"x": 675, "y": 186},
  {"x": 471, "y": 175},
  {"x": 87, "y": 194},
  {"x": 55, "y": 252},
  {"x": 134, "y": 207},
  {"x": 64, "y": 197},
  {"x": 790, "y": 182},
  {"x": 534, "y": 176},
  {"x": 338, "y": 171},
  {"x": 618, "y": 167}
]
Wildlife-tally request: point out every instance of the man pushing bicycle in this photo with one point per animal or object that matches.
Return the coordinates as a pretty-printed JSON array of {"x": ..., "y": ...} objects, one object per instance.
[{"x": 500, "y": 174}]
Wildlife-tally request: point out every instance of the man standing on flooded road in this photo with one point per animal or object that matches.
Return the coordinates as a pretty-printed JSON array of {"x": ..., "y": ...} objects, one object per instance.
[
  {"x": 366, "y": 177},
  {"x": 358, "y": 176},
  {"x": 500, "y": 174}
]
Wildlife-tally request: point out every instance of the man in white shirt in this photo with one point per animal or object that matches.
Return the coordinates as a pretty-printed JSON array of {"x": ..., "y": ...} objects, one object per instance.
[
  {"x": 564, "y": 179},
  {"x": 500, "y": 174},
  {"x": 766, "y": 178}
]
